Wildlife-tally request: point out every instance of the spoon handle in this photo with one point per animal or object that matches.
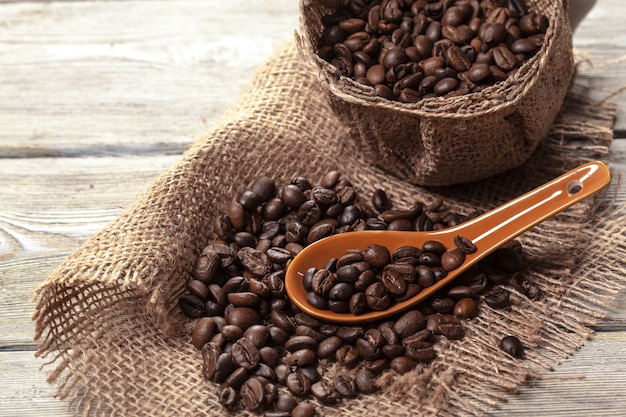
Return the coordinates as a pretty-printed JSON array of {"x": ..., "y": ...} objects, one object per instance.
[{"x": 498, "y": 226}]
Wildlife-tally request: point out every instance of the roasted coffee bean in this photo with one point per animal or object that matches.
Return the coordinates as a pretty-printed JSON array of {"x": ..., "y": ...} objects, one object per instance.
[
  {"x": 249, "y": 200},
  {"x": 300, "y": 342},
  {"x": 420, "y": 351},
  {"x": 293, "y": 196},
  {"x": 243, "y": 299},
  {"x": 258, "y": 334},
  {"x": 388, "y": 333},
  {"x": 203, "y": 332},
  {"x": 329, "y": 346},
  {"x": 402, "y": 364},
  {"x": 367, "y": 349},
  {"x": 302, "y": 357},
  {"x": 393, "y": 282},
  {"x": 524, "y": 46},
  {"x": 461, "y": 291},
  {"x": 348, "y": 273},
  {"x": 237, "y": 378},
  {"x": 452, "y": 258},
  {"x": 243, "y": 317},
  {"x": 303, "y": 410},
  {"x": 252, "y": 394},
  {"x": 224, "y": 366},
  {"x": 365, "y": 381},
  {"x": 273, "y": 209},
  {"x": 350, "y": 333},
  {"x": 466, "y": 308},
  {"x": 347, "y": 355},
  {"x": 191, "y": 305},
  {"x": 406, "y": 252},
  {"x": 341, "y": 291},
  {"x": 210, "y": 354},
  {"x": 310, "y": 372},
  {"x": 364, "y": 280},
  {"x": 278, "y": 335},
  {"x": 449, "y": 326},
  {"x": 476, "y": 279},
  {"x": 316, "y": 300},
  {"x": 465, "y": 245},
  {"x": 309, "y": 332},
  {"x": 285, "y": 402},
  {"x": 207, "y": 266},
  {"x": 297, "y": 384},
  {"x": 377, "y": 297},
  {"x": 498, "y": 299},
  {"x": 526, "y": 286},
  {"x": 425, "y": 276},
  {"x": 245, "y": 354},
  {"x": 393, "y": 351},
  {"x": 504, "y": 58},
  {"x": 237, "y": 284},
  {"x": 345, "y": 385},
  {"x": 282, "y": 371},
  {"x": 324, "y": 392},
  {"x": 269, "y": 356},
  {"x": 271, "y": 395},
  {"x": 442, "y": 304},
  {"x": 237, "y": 216},
  {"x": 512, "y": 346},
  {"x": 409, "y": 323},
  {"x": 376, "y": 255},
  {"x": 457, "y": 59},
  {"x": 254, "y": 261},
  {"x": 322, "y": 282},
  {"x": 228, "y": 397},
  {"x": 283, "y": 321},
  {"x": 264, "y": 188}
]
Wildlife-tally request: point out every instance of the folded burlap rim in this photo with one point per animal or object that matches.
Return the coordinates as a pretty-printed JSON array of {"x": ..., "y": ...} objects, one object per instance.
[{"x": 107, "y": 320}]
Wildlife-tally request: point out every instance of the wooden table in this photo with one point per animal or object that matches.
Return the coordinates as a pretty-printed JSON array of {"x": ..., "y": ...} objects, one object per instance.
[{"x": 98, "y": 98}]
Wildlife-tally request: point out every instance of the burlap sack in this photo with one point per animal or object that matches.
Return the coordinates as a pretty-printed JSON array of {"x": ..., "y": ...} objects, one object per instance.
[
  {"x": 115, "y": 343},
  {"x": 444, "y": 141}
]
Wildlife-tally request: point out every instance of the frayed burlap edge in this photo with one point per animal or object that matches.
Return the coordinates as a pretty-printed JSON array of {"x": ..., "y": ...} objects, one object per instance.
[{"x": 114, "y": 342}]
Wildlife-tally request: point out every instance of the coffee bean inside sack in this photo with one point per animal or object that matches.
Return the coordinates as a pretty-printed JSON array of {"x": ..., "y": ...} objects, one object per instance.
[
  {"x": 412, "y": 50},
  {"x": 267, "y": 356}
]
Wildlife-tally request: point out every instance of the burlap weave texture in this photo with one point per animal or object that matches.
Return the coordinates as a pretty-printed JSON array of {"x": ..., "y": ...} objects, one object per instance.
[{"x": 116, "y": 344}]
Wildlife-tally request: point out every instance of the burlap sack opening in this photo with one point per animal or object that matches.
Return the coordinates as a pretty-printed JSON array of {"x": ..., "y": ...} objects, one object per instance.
[
  {"x": 445, "y": 141},
  {"x": 115, "y": 343}
]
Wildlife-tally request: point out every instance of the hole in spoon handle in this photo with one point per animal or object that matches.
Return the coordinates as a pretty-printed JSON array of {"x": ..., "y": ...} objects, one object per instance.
[{"x": 504, "y": 223}]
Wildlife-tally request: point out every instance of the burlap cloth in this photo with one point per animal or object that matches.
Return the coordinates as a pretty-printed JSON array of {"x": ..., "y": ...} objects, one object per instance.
[{"x": 107, "y": 318}]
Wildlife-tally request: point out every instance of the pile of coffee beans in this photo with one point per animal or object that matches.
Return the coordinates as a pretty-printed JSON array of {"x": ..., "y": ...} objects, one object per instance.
[
  {"x": 374, "y": 279},
  {"x": 410, "y": 50},
  {"x": 265, "y": 354}
]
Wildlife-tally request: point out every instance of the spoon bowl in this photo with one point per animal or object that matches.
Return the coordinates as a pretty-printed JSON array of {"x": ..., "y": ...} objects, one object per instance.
[{"x": 487, "y": 232}]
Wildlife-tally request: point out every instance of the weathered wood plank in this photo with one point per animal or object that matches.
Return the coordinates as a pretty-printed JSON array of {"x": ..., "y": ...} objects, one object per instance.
[
  {"x": 602, "y": 56},
  {"x": 48, "y": 207},
  {"x": 100, "y": 77},
  {"x": 591, "y": 383}
]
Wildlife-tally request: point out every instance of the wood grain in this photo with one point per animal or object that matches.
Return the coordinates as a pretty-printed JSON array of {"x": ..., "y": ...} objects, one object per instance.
[{"x": 98, "y": 98}]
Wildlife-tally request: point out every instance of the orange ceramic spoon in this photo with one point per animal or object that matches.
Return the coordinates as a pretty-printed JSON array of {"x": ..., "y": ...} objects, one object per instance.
[{"x": 487, "y": 232}]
